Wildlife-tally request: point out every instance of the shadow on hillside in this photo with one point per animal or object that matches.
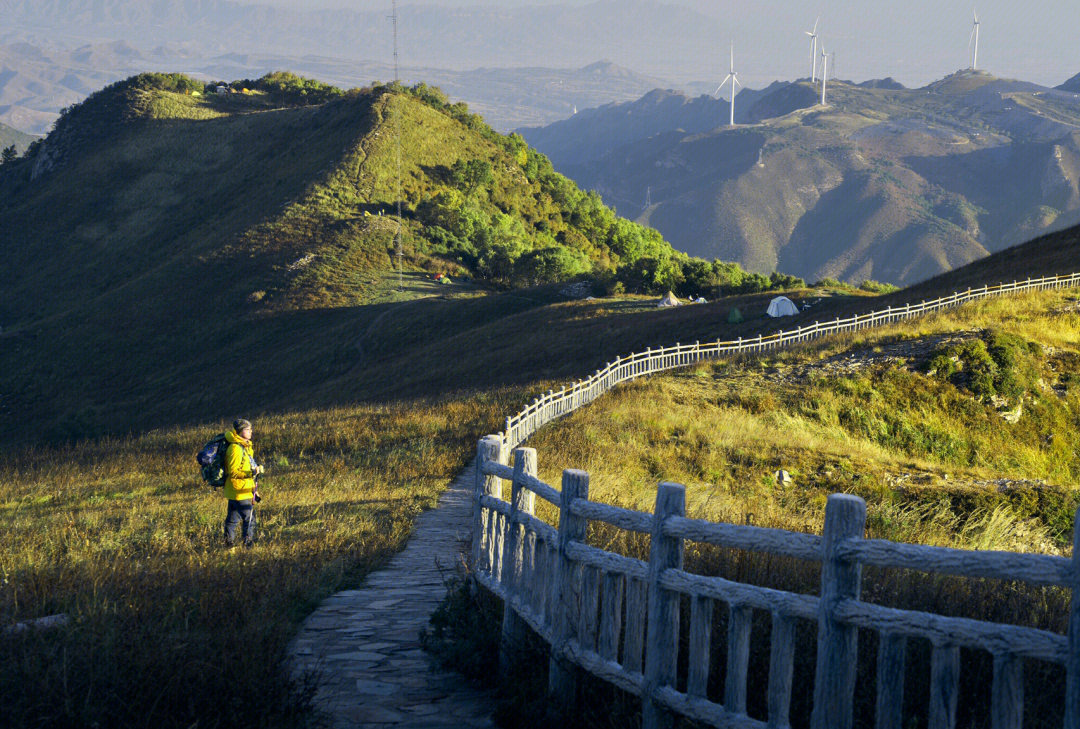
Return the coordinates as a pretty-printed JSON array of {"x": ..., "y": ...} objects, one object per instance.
[{"x": 427, "y": 348}]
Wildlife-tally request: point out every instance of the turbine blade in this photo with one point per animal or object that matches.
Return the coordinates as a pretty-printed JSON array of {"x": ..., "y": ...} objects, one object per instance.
[
  {"x": 808, "y": 33},
  {"x": 971, "y": 37},
  {"x": 815, "y": 24},
  {"x": 735, "y": 80}
]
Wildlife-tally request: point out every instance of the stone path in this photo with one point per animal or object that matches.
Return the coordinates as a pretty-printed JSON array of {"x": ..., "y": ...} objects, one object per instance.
[{"x": 365, "y": 643}]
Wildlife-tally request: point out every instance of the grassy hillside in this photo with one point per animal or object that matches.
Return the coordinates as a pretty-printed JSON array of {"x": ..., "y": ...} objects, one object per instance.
[
  {"x": 883, "y": 183},
  {"x": 119, "y": 534},
  {"x": 912, "y": 419},
  {"x": 258, "y": 214}
]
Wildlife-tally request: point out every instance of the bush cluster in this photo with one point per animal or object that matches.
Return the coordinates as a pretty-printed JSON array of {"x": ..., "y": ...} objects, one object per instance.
[
  {"x": 995, "y": 364},
  {"x": 288, "y": 89}
]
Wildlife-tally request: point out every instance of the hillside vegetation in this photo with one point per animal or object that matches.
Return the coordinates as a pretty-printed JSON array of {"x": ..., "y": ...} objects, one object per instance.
[
  {"x": 883, "y": 183},
  {"x": 259, "y": 213}
]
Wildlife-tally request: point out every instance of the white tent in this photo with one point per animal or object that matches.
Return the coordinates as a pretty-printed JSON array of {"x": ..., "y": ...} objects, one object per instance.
[
  {"x": 782, "y": 306},
  {"x": 669, "y": 300}
]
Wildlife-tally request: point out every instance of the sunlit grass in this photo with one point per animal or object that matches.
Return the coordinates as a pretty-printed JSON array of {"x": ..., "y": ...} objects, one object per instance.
[
  {"x": 167, "y": 624},
  {"x": 917, "y": 449}
]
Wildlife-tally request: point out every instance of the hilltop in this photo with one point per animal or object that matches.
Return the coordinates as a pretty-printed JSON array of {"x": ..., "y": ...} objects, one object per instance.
[
  {"x": 41, "y": 81},
  {"x": 886, "y": 183}
]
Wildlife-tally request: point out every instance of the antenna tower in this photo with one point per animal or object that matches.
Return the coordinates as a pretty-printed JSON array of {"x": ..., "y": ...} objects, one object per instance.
[
  {"x": 397, "y": 150},
  {"x": 648, "y": 197}
]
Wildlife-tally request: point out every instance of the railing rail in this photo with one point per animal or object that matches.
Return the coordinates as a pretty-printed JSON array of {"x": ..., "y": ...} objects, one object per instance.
[{"x": 618, "y": 617}]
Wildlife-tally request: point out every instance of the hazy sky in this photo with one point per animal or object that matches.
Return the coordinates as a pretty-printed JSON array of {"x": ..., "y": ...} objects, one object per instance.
[{"x": 915, "y": 41}]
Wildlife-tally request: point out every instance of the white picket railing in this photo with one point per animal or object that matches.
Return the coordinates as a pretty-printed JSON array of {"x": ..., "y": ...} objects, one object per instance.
[
  {"x": 618, "y": 617},
  {"x": 553, "y": 404}
]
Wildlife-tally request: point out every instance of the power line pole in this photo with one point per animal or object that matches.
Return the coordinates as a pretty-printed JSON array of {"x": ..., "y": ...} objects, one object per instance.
[{"x": 397, "y": 150}]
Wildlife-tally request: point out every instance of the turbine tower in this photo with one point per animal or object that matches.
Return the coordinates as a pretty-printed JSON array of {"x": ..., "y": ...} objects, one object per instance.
[
  {"x": 813, "y": 51},
  {"x": 733, "y": 76},
  {"x": 824, "y": 72},
  {"x": 974, "y": 37},
  {"x": 397, "y": 149}
]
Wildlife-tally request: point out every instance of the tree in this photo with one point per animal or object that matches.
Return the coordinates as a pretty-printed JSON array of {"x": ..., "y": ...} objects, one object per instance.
[
  {"x": 549, "y": 265},
  {"x": 8, "y": 155},
  {"x": 648, "y": 275},
  {"x": 470, "y": 175}
]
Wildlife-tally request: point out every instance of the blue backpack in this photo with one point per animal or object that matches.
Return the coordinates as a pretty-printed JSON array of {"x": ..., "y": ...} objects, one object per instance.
[{"x": 212, "y": 460}]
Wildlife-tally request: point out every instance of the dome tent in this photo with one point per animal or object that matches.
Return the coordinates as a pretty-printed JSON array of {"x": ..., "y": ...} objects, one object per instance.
[
  {"x": 782, "y": 306},
  {"x": 669, "y": 300}
]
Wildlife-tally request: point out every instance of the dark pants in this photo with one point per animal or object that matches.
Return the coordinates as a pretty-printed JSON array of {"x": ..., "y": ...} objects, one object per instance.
[{"x": 244, "y": 512}]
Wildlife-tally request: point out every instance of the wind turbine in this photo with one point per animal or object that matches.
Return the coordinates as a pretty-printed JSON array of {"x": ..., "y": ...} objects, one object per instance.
[
  {"x": 974, "y": 37},
  {"x": 824, "y": 72},
  {"x": 813, "y": 50},
  {"x": 733, "y": 76}
]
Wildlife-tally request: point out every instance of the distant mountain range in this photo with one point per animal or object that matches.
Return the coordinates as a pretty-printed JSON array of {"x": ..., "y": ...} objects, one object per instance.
[
  {"x": 36, "y": 83},
  {"x": 447, "y": 37},
  {"x": 883, "y": 183}
]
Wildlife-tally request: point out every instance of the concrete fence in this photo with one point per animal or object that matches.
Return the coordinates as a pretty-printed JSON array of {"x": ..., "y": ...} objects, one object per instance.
[
  {"x": 553, "y": 404},
  {"x": 618, "y": 618}
]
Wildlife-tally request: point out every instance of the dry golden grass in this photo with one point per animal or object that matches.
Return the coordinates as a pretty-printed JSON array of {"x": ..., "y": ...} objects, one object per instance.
[
  {"x": 169, "y": 628},
  {"x": 724, "y": 429}
]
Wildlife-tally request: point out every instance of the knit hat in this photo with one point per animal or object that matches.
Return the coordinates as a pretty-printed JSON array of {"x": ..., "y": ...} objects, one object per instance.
[{"x": 239, "y": 424}]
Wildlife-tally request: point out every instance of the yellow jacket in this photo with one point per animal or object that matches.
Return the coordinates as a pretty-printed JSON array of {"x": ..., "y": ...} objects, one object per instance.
[{"x": 239, "y": 459}]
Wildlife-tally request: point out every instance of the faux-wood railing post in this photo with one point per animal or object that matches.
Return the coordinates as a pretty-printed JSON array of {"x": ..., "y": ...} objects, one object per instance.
[
  {"x": 1072, "y": 662},
  {"x": 662, "y": 635},
  {"x": 562, "y": 675},
  {"x": 514, "y": 629},
  {"x": 488, "y": 450},
  {"x": 837, "y": 653}
]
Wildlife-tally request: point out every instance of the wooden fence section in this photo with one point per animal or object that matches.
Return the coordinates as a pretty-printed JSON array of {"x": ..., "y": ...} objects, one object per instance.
[
  {"x": 552, "y": 404},
  {"x": 618, "y": 618}
]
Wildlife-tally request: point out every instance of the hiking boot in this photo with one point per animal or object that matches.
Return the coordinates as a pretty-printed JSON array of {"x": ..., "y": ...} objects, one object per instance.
[
  {"x": 229, "y": 544},
  {"x": 248, "y": 544}
]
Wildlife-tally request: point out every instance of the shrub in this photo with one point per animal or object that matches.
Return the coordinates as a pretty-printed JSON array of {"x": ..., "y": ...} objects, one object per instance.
[{"x": 877, "y": 287}]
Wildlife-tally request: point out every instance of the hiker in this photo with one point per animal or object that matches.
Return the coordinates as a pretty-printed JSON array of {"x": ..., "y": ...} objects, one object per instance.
[{"x": 240, "y": 487}]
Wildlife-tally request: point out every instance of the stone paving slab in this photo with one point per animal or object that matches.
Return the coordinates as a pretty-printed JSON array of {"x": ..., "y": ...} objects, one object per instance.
[{"x": 364, "y": 644}]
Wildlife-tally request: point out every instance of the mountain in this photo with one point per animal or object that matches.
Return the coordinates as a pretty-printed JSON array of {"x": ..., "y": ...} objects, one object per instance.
[
  {"x": 13, "y": 137},
  {"x": 1072, "y": 85},
  {"x": 883, "y": 183},
  {"x": 592, "y": 133},
  {"x": 38, "y": 82},
  {"x": 165, "y": 232}
]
